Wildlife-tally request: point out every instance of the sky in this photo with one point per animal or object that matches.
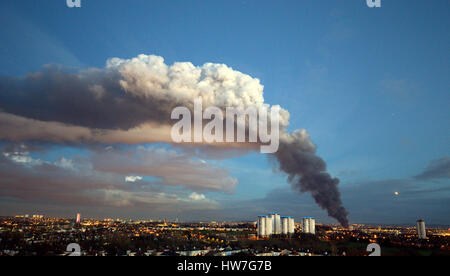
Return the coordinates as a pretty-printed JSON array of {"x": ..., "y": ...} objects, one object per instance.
[{"x": 370, "y": 85}]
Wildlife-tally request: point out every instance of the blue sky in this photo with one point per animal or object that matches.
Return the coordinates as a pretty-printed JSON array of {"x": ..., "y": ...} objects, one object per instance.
[{"x": 371, "y": 86}]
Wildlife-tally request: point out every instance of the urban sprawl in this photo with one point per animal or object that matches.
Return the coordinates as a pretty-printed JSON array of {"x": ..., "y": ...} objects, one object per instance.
[{"x": 268, "y": 235}]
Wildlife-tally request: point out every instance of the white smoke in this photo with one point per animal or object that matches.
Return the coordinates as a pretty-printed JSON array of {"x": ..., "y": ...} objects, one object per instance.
[{"x": 217, "y": 84}]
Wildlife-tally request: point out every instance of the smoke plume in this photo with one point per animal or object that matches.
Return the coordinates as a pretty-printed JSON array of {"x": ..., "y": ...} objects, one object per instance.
[
  {"x": 130, "y": 102},
  {"x": 307, "y": 173}
]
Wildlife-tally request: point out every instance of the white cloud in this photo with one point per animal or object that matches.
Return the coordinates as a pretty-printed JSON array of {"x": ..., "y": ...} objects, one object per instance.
[
  {"x": 132, "y": 178},
  {"x": 65, "y": 163},
  {"x": 161, "y": 201},
  {"x": 197, "y": 197},
  {"x": 22, "y": 158}
]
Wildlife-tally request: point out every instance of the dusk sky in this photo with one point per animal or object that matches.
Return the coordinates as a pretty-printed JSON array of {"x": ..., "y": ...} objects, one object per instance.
[{"x": 371, "y": 86}]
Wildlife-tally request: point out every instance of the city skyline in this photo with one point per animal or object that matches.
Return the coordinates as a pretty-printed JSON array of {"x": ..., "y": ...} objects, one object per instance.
[
  {"x": 297, "y": 220},
  {"x": 91, "y": 237},
  {"x": 369, "y": 86}
]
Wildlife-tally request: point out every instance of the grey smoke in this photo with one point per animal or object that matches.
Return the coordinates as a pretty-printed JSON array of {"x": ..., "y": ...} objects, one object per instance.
[
  {"x": 308, "y": 173},
  {"x": 92, "y": 99}
]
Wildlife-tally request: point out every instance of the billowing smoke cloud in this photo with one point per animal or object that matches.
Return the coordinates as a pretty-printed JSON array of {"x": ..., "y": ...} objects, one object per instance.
[
  {"x": 127, "y": 93},
  {"x": 130, "y": 101}
]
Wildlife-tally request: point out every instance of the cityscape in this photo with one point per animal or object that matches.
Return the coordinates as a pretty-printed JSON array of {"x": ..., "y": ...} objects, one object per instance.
[{"x": 38, "y": 235}]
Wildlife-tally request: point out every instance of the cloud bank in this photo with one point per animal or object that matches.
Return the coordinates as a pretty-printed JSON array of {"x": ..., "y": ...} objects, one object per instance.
[
  {"x": 173, "y": 168},
  {"x": 76, "y": 182}
]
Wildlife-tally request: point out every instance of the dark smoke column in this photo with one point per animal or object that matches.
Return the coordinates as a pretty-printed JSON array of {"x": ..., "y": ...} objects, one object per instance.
[{"x": 307, "y": 173}]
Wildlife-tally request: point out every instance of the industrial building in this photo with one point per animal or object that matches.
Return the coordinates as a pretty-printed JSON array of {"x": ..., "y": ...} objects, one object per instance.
[
  {"x": 309, "y": 225},
  {"x": 274, "y": 224},
  {"x": 421, "y": 231}
]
